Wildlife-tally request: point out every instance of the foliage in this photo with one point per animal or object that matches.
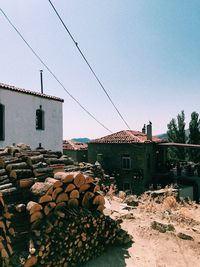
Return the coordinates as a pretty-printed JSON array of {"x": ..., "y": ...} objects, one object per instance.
[
  {"x": 176, "y": 134},
  {"x": 194, "y": 136}
]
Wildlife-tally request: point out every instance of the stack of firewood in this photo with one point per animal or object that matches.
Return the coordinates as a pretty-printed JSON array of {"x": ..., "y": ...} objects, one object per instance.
[
  {"x": 70, "y": 237},
  {"x": 59, "y": 223},
  {"x": 66, "y": 189},
  {"x": 49, "y": 217}
]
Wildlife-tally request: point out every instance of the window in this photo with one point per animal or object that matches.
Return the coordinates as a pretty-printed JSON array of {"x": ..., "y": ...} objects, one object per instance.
[
  {"x": 126, "y": 162},
  {"x": 39, "y": 119},
  {"x": 2, "y": 115}
]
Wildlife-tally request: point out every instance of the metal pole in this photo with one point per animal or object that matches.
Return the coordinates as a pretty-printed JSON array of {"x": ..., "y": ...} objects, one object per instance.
[{"x": 41, "y": 80}]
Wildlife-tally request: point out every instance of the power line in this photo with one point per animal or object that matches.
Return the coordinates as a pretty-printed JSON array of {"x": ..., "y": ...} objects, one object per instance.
[
  {"x": 52, "y": 73},
  {"x": 85, "y": 59}
]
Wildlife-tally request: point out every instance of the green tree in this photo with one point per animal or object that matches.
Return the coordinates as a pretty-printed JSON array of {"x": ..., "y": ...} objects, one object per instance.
[
  {"x": 181, "y": 136},
  {"x": 176, "y": 134},
  {"x": 194, "y": 136}
]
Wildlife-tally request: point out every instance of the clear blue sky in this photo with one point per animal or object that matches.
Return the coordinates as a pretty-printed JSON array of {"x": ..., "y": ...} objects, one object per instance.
[{"x": 145, "y": 52}]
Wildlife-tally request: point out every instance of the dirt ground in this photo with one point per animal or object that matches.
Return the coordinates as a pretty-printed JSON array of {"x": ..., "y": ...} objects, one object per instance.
[{"x": 152, "y": 248}]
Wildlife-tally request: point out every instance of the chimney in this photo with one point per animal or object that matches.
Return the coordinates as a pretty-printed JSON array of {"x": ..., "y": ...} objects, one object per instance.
[
  {"x": 144, "y": 129},
  {"x": 149, "y": 131},
  {"x": 41, "y": 81}
]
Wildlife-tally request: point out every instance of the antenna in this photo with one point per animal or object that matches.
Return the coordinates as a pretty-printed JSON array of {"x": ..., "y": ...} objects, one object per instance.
[{"x": 41, "y": 80}]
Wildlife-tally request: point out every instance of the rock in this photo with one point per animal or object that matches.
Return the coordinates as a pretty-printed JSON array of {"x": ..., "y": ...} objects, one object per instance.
[
  {"x": 184, "y": 236},
  {"x": 128, "y": 216},
  {"x": 158, "y": 226},
  {"x": 170, "y": 227},
  {"x": 161, "y": 227}
]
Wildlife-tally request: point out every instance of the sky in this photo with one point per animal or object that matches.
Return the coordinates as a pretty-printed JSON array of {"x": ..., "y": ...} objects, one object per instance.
[{"x": 146, "y": 53}]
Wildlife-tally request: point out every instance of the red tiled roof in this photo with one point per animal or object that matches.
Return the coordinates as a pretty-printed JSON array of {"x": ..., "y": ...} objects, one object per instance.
[
  {"x": 125, "y": 137},
  {"x": 71, "y": 145},
  {"x": 24, "y": 91}
]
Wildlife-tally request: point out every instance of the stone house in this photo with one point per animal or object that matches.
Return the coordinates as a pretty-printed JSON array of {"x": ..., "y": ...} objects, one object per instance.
[
  {"x": 76, "y": 150},
  {"x": 129, "y": 155},
  {"x": 30, "y": 117}
]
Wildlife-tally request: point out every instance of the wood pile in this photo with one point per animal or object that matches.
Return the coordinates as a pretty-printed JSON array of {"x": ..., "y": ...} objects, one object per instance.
[{"x": 50, "y": 218}]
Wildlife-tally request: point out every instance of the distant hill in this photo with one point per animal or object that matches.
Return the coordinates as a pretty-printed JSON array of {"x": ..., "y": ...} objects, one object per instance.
[
  {"x": 164, "y": 135},
  {"x": 81, "y": 140}
]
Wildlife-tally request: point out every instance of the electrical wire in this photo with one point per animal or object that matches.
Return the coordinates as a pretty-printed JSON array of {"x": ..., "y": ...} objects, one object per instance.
[
  {"x": 52, "y": 73},
  {"x": 85, "y": 59}
]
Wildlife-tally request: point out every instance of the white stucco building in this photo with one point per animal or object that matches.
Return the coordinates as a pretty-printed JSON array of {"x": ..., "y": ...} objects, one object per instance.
[{"x": 31, "y": 118}]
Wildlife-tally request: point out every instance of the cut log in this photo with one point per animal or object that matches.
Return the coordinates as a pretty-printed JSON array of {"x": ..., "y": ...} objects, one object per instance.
[
  {"x": 55, "y": 183},
  {"x": 84, "y": 187},
  {"x": 40, "y": 171},
  {"x": 45, "y": 198},
  {"x": 4, "y": 161},
  {"x": 14, "y": 166},
  {"x": 101, "y": 208},
  {"x": 49, "y": 207},
  {"x": 73, "y": 203},
  {"x": 74, "y": 194},
  {"x": 4, "y": 177},
  {"x": 86, "y": 201},
  {"x": 70, "y": 187},
  {"x": 4, "y": 253},
  {"x": 96, "y": 188},
  {"x": 89, "y": 180},
  {"x": 20, "y": 207},
  {"x": 2, "y": 226},
  {"x": 20, "y": 173},
  {"x": 26, "y": 183},
  {"x": 39, "y": 165},
  {"x": 32, "y": 249},
  {"x": 56, "y": 191},
  {"x": 98, "y": 200},
  {"x": 9, "y": 191},
  {"x": 35, "y": 159},
  {"x": 42, "y": 177},
  {"x": 57, "y": 168},
  {"x": 79, "y": 179},
  {"x": 31, "y": 261},
  {"x": 57, "y": 153},
  {"x": 39, "y": 188},
  {"x": 1, "y": 199},
  {"x": 63, "y": 197},
  {"x": 64, "y": 177},
  {"x": 6, "y": 181},
  {"x": 4, "y": 152},
  {"x": 38, "y": 215},
  {"x": 57, "y": 161},
  {"x": 5, "y": 186},
  {"x": 33, "y": 207},
  {"x": 2, "y": 172}
]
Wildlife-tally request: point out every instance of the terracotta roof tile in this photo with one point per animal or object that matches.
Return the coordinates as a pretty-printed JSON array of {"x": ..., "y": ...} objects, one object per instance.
[
  {"x": 125, "y": 137},
  {"x": 24, "y": 91},
  {"x": 71, "y": 145}
]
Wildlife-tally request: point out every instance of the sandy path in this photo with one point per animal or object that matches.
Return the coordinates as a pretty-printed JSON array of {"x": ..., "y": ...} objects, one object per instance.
[{"x": 152, "y": 248}]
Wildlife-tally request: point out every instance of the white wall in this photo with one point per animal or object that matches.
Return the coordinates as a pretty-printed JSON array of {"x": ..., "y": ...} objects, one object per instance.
[{"x": 20, "y": 120}]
